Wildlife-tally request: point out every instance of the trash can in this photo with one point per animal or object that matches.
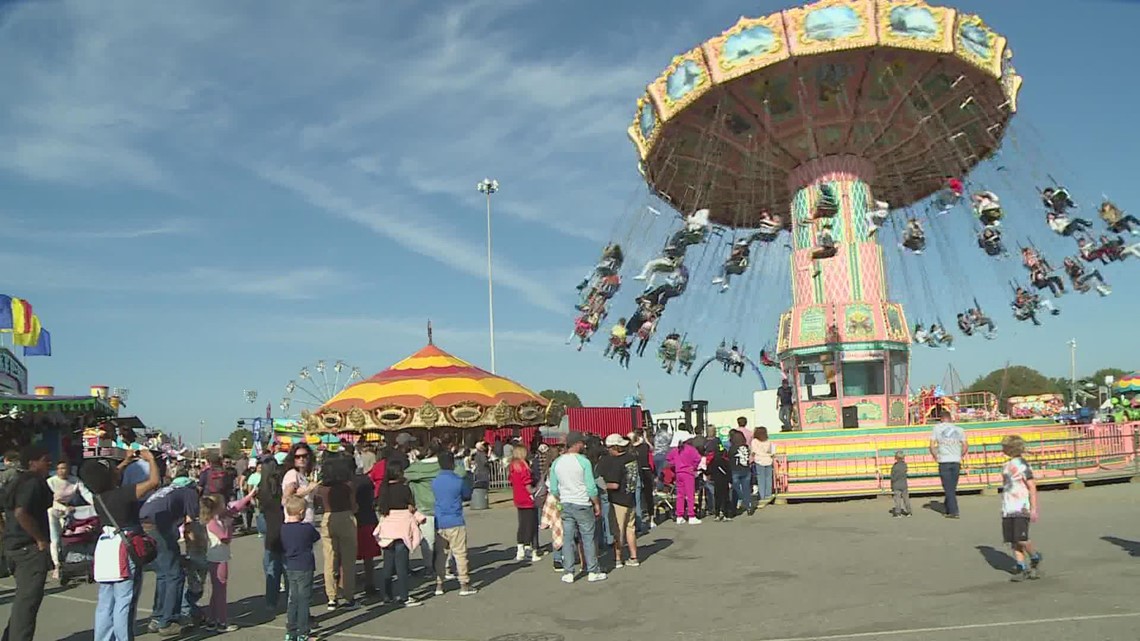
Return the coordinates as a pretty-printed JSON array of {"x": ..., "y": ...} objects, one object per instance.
[{"x": 479, "y": 499}]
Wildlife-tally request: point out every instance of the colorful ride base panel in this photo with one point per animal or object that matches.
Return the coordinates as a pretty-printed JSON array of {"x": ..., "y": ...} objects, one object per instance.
[
  {"x": 844, "y": 345},
  {"x": 858, "y": 463}
]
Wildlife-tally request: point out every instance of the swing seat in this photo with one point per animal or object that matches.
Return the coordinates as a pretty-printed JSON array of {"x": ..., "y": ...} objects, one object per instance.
[{"x": 736, "y": 269}]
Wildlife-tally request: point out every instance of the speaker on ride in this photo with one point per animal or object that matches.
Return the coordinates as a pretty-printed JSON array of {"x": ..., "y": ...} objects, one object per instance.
[{"x": 850, "y": 417}]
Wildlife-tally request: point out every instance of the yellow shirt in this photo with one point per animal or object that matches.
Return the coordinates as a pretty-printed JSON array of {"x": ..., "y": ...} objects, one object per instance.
[{"x": 618, "y": 332}]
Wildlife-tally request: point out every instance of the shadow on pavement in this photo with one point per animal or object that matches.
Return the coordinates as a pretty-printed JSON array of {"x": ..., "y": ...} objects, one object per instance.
[
  {"x": 998, "y": 559},
  {"x": 935, "y": 506},
  {"x": 1131, "y": 547}
]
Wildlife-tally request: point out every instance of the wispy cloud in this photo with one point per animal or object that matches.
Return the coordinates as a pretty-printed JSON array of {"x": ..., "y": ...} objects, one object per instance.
[
  {"x": 366, "y": 124},
  {"x": 419, "y": 233},
  {"x": 33, "y": 272},
  {"x": 352, "y": 328}
]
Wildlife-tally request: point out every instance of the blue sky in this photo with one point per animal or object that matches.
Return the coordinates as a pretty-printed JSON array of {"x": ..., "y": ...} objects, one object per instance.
[{"x": 202, "y": 198}]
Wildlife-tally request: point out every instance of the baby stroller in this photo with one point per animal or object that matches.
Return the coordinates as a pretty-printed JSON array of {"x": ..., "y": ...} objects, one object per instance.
[{"x": 77, "y": 558}]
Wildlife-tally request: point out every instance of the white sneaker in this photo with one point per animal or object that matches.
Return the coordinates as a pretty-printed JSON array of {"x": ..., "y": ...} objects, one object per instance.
[
  {"x": 640, "y": 277},
  {"x": 652, "y": 524},
  {"x": 718, "y": 280},
  {"x": 520, "y": 555},
  {"x": 567, "y": 577},
  {"x": 1104, "y": 290},
  {"x": 617, "y": 565},
  {"x": 632, "y": 563},
  {"x": 535, "y": 557},
  {"x": 596, "y": 576},
  {"x": 694, "y": 520},
  {"x": 680, "y": 521}
]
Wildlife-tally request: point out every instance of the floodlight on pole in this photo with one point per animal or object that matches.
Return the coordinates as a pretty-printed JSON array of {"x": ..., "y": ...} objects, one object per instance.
[{"x": 487, "y": 187}]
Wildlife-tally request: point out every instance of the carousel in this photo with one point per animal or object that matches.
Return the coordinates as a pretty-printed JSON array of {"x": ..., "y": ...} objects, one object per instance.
[{"x": 430, "y": 393}]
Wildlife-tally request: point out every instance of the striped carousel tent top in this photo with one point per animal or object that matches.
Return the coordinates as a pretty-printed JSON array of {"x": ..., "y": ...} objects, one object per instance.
[{"x": 432, "y": 388}]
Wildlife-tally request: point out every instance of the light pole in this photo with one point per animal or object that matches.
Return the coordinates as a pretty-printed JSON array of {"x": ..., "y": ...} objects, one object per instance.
[
  {"x": 1072, "y": 370},
  {"x": 488, "y": 187},
  {"x": 201, "y": 435}
]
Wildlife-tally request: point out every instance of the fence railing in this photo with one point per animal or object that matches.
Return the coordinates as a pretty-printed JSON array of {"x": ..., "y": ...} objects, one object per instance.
[{"x": 1058, "y": 454}]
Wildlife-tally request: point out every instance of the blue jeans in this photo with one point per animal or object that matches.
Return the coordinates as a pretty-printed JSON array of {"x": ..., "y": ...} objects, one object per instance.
[
  {"x": 169, "y": 581},
  {"x": 639, "y": 525},
  {"x": 196, "y": 577},
  {"x": 578, "y": 519},
  {"x": 117, "y": 607},
  {"x": 764, "y": 480},
  {"x": 273, "y": 563},
  {"x": 603, "y": 534},
  {"x": 659, "y": 464},
  {"x": 742, "y": 486},
  {"x": 300, "y": 600},
  {"x": 395, "y": 561},
  {"x": 949, "y": 472}
]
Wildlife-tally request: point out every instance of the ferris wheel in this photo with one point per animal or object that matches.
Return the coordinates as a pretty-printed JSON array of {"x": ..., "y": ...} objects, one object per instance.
[{"x": 314, "y": 386}]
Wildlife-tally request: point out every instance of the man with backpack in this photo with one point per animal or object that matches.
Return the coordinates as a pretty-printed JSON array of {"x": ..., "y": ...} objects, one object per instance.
[
  {"x": 216, "y": 479},
  {"x": 27, "y": 544}
]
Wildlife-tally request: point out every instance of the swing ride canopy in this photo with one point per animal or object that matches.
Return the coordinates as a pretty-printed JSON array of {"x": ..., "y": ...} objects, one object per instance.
[
  {"x": 911, "y": 91},
  {"x": 433, "y": 389}
]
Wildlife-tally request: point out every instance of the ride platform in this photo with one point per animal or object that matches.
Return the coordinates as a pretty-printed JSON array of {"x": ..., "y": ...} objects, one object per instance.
[{"x": 834, "y": 464}]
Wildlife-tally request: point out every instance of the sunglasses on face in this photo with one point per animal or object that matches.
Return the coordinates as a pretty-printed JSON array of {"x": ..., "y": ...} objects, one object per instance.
[{"x": 300, "y": 456}]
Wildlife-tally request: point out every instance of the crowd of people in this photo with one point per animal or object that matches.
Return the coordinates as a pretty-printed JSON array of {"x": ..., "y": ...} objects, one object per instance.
[{"x": 596, "y": 497}]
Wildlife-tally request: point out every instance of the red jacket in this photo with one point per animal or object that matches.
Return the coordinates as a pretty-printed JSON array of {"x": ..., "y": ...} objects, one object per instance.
[
  {"x": 519, "y": 477},
  {"x": 379, "y": 469}
]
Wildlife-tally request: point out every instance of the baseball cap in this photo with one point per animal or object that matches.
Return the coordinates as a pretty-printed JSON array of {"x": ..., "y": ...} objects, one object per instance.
[
  {"x": 574, "y": 438},
  {"x": 616, "y": 440}
]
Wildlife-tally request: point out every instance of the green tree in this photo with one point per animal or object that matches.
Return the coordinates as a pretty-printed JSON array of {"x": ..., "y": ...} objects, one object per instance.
[
  {"x": 1015, "y": 380},
  {"x": 568, "y": 399},
  {"x": 236, "y": 440}
]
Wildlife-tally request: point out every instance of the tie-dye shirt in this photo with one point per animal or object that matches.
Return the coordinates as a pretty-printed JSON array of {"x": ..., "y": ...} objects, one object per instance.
[{"x": 1015, "y": 475}]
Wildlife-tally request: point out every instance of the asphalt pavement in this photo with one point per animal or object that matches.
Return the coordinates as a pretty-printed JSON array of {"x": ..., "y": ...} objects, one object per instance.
[{"x": 809, "y": 572}]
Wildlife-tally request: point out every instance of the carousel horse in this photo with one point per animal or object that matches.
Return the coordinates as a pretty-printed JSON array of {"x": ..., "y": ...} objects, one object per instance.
[
  {"x": 914, "y": 238},
  {"x": 987, "y": 207},
  {"x": 734, "y": 265},
  {"x": 1118, "y": 222},
  {"x": 667, "y": 352},
  {"x": 990, "y": 241},
  {"x": 1080, "y": 277},
  {"x": 686, "y": 356}
]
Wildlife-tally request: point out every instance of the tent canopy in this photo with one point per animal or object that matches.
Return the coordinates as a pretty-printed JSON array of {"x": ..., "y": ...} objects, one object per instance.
[{"x": 433, "y": 389}]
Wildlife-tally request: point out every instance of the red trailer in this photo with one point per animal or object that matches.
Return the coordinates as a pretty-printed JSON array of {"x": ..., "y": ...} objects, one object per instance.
[{"x": 604, "y": 421}]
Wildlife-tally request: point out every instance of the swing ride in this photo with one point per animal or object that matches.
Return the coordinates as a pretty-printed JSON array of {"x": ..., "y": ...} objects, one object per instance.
[{"x": 803, "y": 139}]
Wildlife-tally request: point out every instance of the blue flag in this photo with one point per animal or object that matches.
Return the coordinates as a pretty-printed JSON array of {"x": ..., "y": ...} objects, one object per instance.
[
  {"x": 41, "y": 348},
  {"x": 5, "y": 312}
]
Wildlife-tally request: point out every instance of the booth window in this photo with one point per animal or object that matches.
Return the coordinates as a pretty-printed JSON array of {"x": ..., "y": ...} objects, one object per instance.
[
  {"x": 817, "y": 379},
  {"x": 898, "y": 373},
  {"x": 863, "y": 378}
]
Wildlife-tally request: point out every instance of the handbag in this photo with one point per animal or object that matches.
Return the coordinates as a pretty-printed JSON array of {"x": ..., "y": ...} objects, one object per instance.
[{"x": 142, "y": 547}]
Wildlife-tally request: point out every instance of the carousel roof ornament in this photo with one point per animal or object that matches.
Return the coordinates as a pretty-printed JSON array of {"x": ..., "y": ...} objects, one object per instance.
[{"x": 433, "y": 389}]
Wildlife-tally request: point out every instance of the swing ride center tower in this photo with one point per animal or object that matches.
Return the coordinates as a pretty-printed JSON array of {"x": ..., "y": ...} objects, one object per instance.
[{"x": 872, "y": 100}]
